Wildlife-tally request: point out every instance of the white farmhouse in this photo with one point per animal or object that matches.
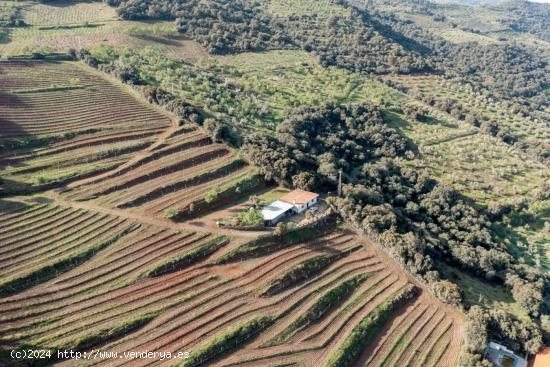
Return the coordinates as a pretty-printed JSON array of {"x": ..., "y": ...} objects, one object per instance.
[
  {"x": 276, "y": 211},
  {"x": 294, "y": 202}
]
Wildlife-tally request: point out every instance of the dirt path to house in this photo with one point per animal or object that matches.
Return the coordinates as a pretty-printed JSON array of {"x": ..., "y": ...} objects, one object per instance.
[{"x": 193, "y": 226}]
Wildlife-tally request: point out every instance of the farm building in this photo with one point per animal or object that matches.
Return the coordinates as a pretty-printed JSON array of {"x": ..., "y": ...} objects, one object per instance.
[
  {"x": 276, "y": 211},
  {"x": 294, "y": 202},
  {"x": 300, "y": 199},
  {"x": 503, "y": 357}
]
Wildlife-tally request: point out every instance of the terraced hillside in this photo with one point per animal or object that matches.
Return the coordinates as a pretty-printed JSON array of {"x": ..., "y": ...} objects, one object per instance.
[
  {"x": 305, "y": 296},
  {"x": 60, "y": 122},
  {"x": 96, "y": 263},
  {"x": 47, "y": 239},
  {"x": 173, "y": 179}
]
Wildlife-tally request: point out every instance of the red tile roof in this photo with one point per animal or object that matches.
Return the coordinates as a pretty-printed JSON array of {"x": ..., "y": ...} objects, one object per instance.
[{"x": 299, "y": 197}]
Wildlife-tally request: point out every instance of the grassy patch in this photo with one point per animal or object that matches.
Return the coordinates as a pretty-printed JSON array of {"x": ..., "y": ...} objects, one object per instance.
[{"x": 478, "y": 292}]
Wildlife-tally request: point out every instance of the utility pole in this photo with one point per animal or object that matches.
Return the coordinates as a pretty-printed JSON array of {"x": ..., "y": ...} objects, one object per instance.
[{"x": 339, "y": 183}]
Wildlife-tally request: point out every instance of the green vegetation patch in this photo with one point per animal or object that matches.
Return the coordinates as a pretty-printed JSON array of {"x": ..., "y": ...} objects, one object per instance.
[{"x": 227, "y": 342}]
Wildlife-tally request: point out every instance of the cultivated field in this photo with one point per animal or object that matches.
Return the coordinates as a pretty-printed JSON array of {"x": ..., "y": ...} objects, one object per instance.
[
  {"x": 75, "y": 123},
  {"x": 515, "y": 123},
  {"x": 59, "y": 26},
  {"x": 46, "y": 239},
  {"x": 287, "y": 79},
  {"x": 180, "y": 177},
  {"x": 303, "y": 295}
]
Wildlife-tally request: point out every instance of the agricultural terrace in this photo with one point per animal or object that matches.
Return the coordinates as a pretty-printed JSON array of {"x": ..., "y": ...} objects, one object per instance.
[
  {"x": 297, "y": 299},
  {"x": 283, "y": 80},
  {"x": 438, "y": 87},
  {"x": 98, "y": 287},
  {"x": 59, "y": 26},
  {"x": 181, "y": 177},
  {"x": 44, "y": 240},
  {"x": 75, "y": 123}
]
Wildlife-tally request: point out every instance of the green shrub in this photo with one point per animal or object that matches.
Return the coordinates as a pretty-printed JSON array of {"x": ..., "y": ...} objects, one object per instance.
[
  {"x": 212, "y": 195},
  {"x": 251, "y": 217}
]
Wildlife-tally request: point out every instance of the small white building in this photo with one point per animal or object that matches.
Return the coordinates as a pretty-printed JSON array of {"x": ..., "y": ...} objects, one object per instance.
[
  {"x": 294, "y": 202},
  {"x": 276, "y": 211}
]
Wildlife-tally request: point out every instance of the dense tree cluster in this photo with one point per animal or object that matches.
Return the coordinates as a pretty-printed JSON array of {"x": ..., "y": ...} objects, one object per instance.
[
  {"x": 351, "y": 43},
  {"x": 229, "y": 26},
  {"x": 223, "y": 26},
  {"x": 421, "y": 221},
  {"x": 510, "y": 70},
  {"x": 323, "y": 140},
  {"x": 530, "y": 17}
]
